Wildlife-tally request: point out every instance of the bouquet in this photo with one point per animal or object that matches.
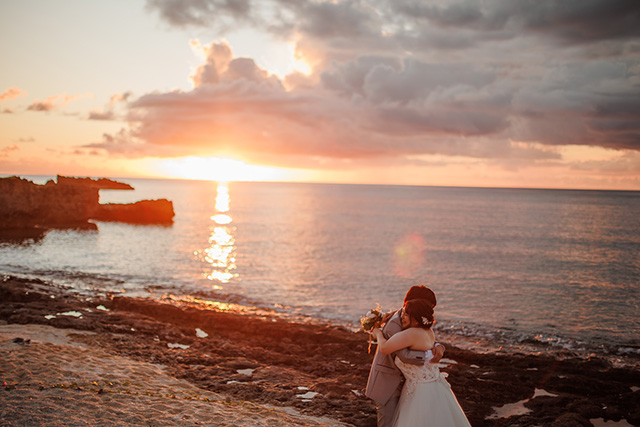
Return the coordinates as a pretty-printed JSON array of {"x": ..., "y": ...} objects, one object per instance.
[{"x": 373, "y": 319}]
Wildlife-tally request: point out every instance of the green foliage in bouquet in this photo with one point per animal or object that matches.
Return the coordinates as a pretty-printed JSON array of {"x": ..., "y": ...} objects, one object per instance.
[{"x": 372, "y": 319}]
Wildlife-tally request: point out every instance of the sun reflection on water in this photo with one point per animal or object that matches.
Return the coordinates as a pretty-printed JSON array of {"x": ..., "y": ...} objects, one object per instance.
[
  {"x": 220, "y": 254},
  {"x": 222, "y": 199},
  {"x": 221, "y": 219}
]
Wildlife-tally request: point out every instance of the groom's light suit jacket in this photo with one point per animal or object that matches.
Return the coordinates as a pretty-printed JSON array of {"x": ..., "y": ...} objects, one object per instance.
[{"x": 385, "y": 377}]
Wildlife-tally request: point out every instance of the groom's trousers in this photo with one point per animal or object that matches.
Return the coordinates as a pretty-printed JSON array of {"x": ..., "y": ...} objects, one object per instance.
[{"x": 387, "y": 412}]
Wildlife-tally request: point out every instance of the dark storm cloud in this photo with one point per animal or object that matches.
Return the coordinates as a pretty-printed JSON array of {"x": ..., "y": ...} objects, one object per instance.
[
  {"x": 384, "y": 80},
  {"x": 575, "y": 21},
  {"x": 326, "y": 20},
  {"x": 182, "y": 13}
]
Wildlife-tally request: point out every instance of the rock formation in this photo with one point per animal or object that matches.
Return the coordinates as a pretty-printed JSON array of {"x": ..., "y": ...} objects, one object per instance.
[
  {"x": 142, "y": 212},
  {"x": 71, "y": 203},
  {"x": 101, "y": 184}
]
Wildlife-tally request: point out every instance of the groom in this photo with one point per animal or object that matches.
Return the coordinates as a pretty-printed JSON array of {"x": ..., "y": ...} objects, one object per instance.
[{"x": 385, "y": 379}]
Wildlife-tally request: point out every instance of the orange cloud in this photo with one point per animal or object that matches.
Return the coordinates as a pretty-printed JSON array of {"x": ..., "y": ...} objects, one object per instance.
[{"x": 12, "y": 92}]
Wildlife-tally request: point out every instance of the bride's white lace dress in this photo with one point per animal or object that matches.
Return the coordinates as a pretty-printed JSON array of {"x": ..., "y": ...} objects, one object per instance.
[{"x": 427, "y": 399}]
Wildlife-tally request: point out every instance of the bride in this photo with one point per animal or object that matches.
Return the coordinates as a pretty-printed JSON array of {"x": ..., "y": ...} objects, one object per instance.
[{"x": 426, "y": 399}]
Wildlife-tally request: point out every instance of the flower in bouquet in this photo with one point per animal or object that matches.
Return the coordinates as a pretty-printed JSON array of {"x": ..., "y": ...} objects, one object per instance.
[{"x": 372, "y": 319}]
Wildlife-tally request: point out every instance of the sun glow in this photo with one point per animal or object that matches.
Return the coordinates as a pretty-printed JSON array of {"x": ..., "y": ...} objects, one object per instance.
[
  {"x": 297, "y": 63},
  {"x": 219, "y": 169}
]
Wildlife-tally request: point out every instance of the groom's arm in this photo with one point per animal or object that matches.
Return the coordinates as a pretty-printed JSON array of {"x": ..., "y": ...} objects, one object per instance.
[
  {"x": 392, "y": 327},
  {"x": 419, "y": 357},
  {"x": 414, "y": 357}
]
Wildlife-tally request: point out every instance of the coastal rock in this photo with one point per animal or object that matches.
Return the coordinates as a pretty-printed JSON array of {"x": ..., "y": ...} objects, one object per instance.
[
  {"x": 71, "y": 203},
  {"x": 24, "y": 204},
  {"x": 571, "y": 420},
  {"x": 142, "y": 212},
  {"x": 101, "y": 183}
]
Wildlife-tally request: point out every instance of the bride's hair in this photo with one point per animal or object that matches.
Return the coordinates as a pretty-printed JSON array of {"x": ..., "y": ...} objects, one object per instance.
[
  {"x": 421, "y": 292},
  {"x": 420, "y": 310}
]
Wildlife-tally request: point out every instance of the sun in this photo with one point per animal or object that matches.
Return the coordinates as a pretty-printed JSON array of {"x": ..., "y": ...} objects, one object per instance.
[
  {"x": 218, "y": 169},
  {"x": 297, "y": 61}
]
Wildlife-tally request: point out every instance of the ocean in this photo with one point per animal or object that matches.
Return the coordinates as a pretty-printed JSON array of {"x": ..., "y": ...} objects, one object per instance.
[{"x": 524, "y": 270}]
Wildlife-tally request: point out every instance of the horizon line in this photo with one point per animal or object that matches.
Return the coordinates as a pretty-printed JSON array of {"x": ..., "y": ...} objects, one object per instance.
[{"x": 4, "y": 175}]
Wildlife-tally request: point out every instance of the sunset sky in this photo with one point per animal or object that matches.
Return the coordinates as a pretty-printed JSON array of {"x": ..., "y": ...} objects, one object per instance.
[{"x": 498, "y": 93}]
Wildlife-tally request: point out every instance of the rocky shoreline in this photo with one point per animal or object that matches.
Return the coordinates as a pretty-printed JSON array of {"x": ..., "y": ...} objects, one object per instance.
[
  {"x": 71, "y": 203},
  {"x": 319, "y": 370}
]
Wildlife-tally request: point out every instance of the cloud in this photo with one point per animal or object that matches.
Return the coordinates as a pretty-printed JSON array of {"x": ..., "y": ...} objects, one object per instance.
[
  {"x": 369, "y": 108},
  {"x": 579, "y": 21},
  {"x": 570, "y": 21},
  {"x": 507, "y": 80},
  {"x": 108, "y": 112},
  {"x": 122, "y": 144},
  {"x": 202, "y": 13},
  {"x": 6, "y": 151},
  {"x": 462, "y": 22},
  {"x": 52, "y": 102},
  {"x": 220, "y": 67},
  {"x": 339, "y": 20},
  {"x": 627, "y": 163},
  {"x": 12, "y": 92},
  {"x": 102, "y": 115},
  {"x": 586, "y": 103},
  {"x": 27, "y": 140}
]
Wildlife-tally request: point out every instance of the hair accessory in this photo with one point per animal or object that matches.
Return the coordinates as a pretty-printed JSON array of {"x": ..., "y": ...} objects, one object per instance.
[{"x": 425, "y": 321}]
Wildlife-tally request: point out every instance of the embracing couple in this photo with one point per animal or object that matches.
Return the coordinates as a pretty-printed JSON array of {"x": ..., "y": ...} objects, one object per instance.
[{"x": 405, "y": 380}]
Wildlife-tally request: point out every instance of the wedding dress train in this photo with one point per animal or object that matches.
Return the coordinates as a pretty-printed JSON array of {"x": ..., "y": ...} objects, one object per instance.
[{"x": 427, "y": 399}]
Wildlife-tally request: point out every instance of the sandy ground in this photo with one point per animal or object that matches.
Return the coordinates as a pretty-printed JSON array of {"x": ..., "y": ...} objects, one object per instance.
[{"x": 55, "y": 380}]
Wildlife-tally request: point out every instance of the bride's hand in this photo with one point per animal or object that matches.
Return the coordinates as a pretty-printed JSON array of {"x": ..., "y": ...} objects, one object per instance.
[{"x": 376, "y": 333}]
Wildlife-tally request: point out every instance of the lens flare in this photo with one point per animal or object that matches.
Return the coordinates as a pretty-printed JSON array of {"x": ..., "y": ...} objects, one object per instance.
[{"x": 408, "y": 254}]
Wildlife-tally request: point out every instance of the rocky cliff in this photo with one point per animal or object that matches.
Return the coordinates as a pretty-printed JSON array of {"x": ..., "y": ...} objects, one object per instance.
[
  {"x": 71, "y": 203},
  {"x": 142, "y": 212}
]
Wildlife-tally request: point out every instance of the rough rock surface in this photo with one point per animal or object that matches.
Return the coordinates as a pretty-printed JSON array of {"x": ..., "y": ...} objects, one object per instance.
[
  {"x": 24, "y": 204},
  {"x": 71, "y": 203}
]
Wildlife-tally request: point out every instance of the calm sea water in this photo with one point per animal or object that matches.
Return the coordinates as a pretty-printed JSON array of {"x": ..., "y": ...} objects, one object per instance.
[{"x": 525, "y": 270}]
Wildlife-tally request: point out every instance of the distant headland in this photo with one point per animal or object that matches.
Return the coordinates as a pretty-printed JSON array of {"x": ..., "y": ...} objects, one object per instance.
[{"x": 71, "y": 203}]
